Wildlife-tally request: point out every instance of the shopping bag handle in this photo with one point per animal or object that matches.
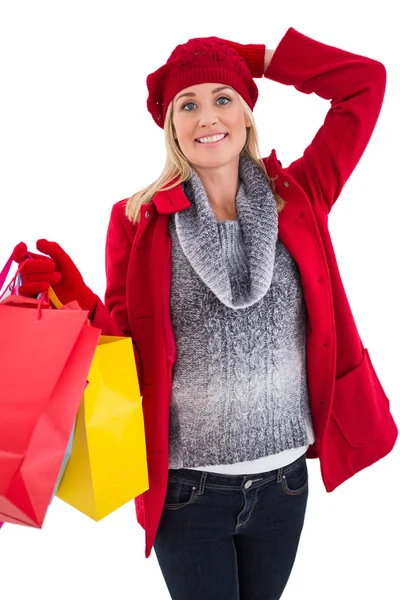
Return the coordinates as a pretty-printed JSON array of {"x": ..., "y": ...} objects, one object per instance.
[
  {"x": 3, "y": 276},
  {"x": 5, "y": 271},
  {"x": 49, "y": 295},
  {"x": 54, "y": 298}
]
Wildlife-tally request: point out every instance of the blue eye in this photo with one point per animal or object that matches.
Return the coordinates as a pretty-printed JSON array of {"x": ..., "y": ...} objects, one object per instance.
[
  {"x": 220, "y": 98},
  {"x": 224, "y": 98}
]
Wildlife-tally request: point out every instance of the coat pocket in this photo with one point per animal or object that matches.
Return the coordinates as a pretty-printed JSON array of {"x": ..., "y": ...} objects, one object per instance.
[{"x": 360, "y": 405}]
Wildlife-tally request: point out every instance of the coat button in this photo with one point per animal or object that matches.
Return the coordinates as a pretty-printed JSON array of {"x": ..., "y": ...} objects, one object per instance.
[
  {"x": 286, "y": 184},
  {"x": 147, "y": 214},
  {"x": 320, "y": 280},
  {"x": 248, "y": 484}
]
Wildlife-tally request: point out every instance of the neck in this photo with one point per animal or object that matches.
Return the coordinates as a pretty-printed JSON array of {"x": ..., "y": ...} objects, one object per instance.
[{"x": 221, "y": 185}]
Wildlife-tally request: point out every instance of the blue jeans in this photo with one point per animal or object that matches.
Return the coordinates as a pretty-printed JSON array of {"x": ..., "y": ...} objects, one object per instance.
[{"x": 225, "y": 537}]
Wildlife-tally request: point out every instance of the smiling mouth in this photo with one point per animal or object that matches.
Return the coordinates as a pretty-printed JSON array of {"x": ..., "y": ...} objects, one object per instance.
[{"x": 210, "y": 143}]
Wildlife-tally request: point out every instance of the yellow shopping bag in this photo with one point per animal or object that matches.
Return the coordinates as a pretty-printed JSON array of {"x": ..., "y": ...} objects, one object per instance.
[{"x": 108, "y": 463}]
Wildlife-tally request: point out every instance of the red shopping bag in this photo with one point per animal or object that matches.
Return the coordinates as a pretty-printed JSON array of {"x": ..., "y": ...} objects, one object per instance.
[{"x": 45, "y": 357}]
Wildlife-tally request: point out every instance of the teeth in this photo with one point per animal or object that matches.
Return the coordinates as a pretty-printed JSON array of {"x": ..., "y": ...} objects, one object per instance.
[{"x": 214, "y": 138}]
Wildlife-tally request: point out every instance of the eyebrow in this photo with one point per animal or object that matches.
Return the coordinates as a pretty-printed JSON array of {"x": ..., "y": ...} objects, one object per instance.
[{"x": 214, "y": 91}]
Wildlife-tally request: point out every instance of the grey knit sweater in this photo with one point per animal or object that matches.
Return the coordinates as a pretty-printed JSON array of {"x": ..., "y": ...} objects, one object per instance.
[{"x": 239, "y": 388}]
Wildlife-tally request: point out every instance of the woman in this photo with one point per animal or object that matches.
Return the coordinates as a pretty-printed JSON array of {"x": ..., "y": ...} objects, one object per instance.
[{"x": 223, "y": 273}]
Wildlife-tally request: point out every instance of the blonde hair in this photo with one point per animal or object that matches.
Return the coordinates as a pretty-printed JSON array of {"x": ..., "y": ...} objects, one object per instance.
[{"x": 177, "y": 165}]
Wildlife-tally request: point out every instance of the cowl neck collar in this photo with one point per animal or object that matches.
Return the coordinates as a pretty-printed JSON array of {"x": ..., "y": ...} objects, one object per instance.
[{"x": 197, "y": 231}]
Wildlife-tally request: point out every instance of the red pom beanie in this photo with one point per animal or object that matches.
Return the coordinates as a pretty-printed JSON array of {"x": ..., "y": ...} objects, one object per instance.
[{"x": 205, "y": 60}]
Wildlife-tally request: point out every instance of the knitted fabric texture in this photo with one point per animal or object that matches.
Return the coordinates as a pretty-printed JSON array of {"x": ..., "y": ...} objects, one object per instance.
[
  {"x": 239, "y": 389},
  {"x": 205, "y": 60}
]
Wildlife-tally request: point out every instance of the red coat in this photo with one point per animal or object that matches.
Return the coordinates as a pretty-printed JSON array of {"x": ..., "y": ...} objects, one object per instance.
[{"x": 351, "y": 414}]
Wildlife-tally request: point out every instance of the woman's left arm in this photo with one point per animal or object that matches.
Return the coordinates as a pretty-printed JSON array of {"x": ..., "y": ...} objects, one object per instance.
[
  {"x": 268, "y": 54},
  {"x": 355, "y": 86}
]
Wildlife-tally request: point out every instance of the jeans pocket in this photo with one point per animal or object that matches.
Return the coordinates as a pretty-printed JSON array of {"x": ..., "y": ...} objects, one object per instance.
[
  {"x": 179, "y": 494},
  {"x": 295, "y": 480}
]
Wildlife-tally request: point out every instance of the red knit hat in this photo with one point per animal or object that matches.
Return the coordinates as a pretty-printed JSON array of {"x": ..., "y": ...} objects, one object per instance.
[{"x": 205, "y": 60}]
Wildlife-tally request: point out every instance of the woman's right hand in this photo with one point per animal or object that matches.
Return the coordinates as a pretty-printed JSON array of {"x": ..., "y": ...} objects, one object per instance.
[
  {"x": 37, "y": 274},
  {"x": 56, "y": 270}
]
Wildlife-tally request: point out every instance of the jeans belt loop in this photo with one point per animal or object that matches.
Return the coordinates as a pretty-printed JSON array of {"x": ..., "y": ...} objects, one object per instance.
[
  {"x": 202, "y": 483},
  {"x": 279, "y": 476}
]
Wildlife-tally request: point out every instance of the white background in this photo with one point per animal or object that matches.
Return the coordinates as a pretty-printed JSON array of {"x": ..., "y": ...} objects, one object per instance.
[{"x": 75, "y": 137}]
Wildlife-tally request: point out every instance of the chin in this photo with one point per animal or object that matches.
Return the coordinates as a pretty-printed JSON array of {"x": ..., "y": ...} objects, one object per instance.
[{"x": 213, "y": 162}]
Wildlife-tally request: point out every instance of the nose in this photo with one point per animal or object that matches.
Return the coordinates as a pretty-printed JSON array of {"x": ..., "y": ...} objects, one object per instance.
[{"x": 207, "y": 117}]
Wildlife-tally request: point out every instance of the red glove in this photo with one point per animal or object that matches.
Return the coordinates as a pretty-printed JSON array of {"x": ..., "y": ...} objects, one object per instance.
[
  {"x": 253, "y": 55},
  {"x": 58, "y": 271}
]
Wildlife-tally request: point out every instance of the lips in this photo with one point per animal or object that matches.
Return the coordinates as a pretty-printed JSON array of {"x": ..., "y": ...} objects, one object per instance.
[{"x": 211, "y": 135}]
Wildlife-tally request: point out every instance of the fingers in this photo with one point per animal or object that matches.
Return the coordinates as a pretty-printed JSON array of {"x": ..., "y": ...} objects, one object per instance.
[
  {"x": 38, "y": 265},
  {"x": 39, "y": 273},
  {"x": 51, "y": 248},
  {"x": 44, "y": 278},
  {"x": 33, "y": 289},
  {"x": 20, "y": 252}
]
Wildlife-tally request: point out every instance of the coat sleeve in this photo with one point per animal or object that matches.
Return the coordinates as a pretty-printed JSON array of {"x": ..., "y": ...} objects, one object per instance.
[
  {"x": 355, "y": 86},
  {"x": 112, "y": 315}
]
